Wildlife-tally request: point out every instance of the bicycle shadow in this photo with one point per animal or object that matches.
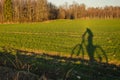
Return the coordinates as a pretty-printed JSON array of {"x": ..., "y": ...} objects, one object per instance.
[{"x": 95, "y": 52}]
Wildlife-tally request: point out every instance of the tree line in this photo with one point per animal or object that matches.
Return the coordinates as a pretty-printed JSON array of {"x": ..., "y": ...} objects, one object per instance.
[{"x": 41, "y": 10}]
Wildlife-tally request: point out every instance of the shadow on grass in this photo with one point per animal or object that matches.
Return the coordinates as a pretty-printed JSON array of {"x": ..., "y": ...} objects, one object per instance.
[
  {"x": 56, "y": 67},
  {"x": 94, "y": 52}
]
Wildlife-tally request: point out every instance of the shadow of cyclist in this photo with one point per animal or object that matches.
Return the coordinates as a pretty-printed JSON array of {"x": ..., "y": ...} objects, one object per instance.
[{"x": 89, "y": 47}]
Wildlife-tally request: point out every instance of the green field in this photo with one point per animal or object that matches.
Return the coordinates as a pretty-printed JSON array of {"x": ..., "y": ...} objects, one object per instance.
[
  {"x": 57, "y": 40},
  {"x": 60, "y": 36}
]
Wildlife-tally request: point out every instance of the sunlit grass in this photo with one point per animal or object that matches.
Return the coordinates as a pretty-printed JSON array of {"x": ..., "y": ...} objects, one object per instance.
[{"x": 60, "y": 36}]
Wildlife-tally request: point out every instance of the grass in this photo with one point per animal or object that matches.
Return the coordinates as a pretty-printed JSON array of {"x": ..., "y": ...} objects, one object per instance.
[
  {"x": 19, "y": 44},
  {"x": 60, "y": 36}
]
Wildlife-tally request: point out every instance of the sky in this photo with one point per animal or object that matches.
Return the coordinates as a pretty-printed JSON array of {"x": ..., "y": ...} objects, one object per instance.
[{"x": 88, "y": 3}]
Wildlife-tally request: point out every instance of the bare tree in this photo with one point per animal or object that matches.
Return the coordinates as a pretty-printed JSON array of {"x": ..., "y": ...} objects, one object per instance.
[
  {"x": 52, "y": 11},
  {"x": 1, "y": 11},
  {"x": 41, "y": 10}
]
